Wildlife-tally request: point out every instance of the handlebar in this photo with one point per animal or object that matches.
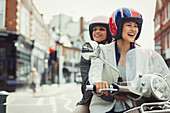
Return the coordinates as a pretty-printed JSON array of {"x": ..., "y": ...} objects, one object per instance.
[
  {"x": 120, "y": 89},
  {"x": 93, "y": 88}
]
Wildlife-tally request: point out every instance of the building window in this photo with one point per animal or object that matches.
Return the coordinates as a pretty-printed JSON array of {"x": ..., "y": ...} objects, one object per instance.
[
  {"x": 165, "y": 13},
  {"x": 165, "y": 39},
  {"x": 77, "y": 58},
  {"x": 69, "y": 55},
  {"x": 158, "y": 46},
  {"x": 157, "y": 23},
  {"x": 25, "y": 22},
  {"x": 165, "y": 16},
  {"x": 168, "y": 10},
  {"x": 2, "y": 53},
  {"x": 2, "y": 13}
]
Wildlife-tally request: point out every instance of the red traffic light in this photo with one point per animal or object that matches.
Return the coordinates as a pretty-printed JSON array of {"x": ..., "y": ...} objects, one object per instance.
[{"x": 51, "y": 50}]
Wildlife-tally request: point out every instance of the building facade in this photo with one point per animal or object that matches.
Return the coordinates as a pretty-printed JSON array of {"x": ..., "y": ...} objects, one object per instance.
[
  {"x": 24, "y": 39},
  {"x": 69, "y": 38},
  {"x": 162, "y": 29}
]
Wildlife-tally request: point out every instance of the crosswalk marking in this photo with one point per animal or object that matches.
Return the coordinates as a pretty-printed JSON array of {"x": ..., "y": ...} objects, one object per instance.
[
  {"x": 40, "y": 101},
  {"x": 64, "y": 97},
  {"x": 52, "y": 102}
]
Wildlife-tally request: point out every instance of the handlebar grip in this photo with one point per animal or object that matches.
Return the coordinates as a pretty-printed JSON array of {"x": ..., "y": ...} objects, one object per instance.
[
  {"x": 93, "y": 88},
  {"x": 90, "y": 88},
  {"x": 114, "y": 90}
]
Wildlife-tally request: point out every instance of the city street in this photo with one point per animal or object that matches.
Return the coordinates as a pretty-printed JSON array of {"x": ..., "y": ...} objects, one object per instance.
[
  {"x": 52, "y": 43},
  {"x": 48, "y": 99}
]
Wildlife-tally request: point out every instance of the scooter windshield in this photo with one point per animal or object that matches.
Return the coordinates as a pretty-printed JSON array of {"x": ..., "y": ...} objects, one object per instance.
[{"x": 140, "y": 61}]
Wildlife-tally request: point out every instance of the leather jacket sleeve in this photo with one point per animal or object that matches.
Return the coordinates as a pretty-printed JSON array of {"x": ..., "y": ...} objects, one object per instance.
[{"x": 84, "y": 68}]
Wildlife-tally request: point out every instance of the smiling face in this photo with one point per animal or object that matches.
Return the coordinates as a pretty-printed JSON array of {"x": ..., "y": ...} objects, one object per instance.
[
  {"x": 130, "y": 31},
  {"x": 99, "y": 33}
]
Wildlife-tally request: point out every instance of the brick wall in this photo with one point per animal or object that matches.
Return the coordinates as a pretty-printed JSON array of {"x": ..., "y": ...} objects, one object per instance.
[
  {"x": 11, "y": 9},
  {"x": 164, "y": 30}
]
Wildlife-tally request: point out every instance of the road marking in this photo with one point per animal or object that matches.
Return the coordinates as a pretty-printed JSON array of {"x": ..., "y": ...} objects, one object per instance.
[
  {"x": 53, "y": 104},
  {"x": 40, "y": 101},
  {"x": 64, "y": 97}
]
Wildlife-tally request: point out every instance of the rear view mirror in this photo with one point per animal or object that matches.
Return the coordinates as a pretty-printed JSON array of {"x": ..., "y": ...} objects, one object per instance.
[{"x": 90, "y": 49}]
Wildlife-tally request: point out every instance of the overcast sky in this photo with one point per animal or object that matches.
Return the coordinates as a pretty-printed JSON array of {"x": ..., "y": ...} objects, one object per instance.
[{"x": 90, "y": 8}]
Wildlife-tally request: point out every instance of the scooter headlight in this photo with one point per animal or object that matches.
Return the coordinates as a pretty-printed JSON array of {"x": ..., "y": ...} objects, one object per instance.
[{"x": 160, "y": 88}]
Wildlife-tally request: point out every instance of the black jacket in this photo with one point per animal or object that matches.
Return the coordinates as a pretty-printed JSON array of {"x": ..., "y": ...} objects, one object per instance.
[
  {"x": 87, "y": 95},
  {"x": 84, "y": 69}
]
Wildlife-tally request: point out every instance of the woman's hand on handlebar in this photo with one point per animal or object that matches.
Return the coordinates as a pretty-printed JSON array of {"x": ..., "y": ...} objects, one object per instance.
[{"x": 102, "y": 85}]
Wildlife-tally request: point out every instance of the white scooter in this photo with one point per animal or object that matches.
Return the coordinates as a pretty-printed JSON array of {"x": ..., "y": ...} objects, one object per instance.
[{"x": 147, "y": 79}]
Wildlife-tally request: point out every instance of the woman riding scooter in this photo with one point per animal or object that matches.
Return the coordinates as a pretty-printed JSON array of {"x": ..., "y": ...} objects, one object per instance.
[{"x": 125, "y": 26}]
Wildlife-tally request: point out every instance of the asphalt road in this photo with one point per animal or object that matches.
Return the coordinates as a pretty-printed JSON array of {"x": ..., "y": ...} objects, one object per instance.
[{"x": 49, "y": 99}]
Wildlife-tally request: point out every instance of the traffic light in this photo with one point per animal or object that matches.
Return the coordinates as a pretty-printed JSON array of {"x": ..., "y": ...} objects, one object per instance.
[
  {"x": 51, "y": 50},
  {"x": 53, "y": 56}
]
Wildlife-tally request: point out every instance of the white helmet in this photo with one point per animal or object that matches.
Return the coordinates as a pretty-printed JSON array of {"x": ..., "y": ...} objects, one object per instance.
[{"x": 100, "y": 21}]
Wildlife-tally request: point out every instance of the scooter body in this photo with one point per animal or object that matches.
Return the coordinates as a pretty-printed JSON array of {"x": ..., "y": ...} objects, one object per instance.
[{"x": 147, "y": 80}]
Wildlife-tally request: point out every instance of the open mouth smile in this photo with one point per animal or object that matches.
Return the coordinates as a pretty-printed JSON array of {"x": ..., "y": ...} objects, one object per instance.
[
  {"x": 131, "y": 34},
  {"x": 98, "y": 36}
]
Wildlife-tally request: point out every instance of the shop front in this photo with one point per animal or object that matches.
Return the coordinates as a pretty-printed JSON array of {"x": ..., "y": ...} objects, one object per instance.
[{"x": 15, "y": 60}]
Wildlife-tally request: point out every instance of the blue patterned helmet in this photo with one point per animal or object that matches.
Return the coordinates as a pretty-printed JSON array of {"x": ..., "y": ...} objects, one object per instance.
[{"x": 120, "y": 16}]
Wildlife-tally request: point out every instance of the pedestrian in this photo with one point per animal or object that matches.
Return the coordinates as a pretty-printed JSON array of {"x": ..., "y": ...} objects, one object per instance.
[
  {"x": 99, "y": 32},
  {"x": 35, "y": 80},
  {"x": 125, "y": 26}
]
